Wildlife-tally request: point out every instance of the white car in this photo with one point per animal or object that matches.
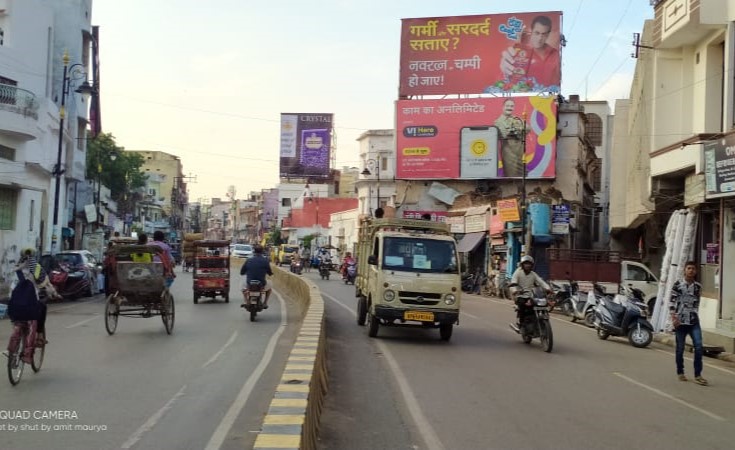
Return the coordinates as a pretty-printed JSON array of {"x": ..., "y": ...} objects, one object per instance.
[{"x": 242, "y": 251}]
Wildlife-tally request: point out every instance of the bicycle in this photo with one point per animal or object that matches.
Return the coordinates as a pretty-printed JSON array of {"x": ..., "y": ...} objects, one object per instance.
[{"x": 24, "y": 341}]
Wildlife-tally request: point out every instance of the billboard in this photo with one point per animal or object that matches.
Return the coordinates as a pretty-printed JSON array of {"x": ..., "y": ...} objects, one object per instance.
[
  {"x": 492, "y": 53},
  {"x": 475, "y": 138},
  {"x": 719, "y": 167},
  {"x": 306, "y": 141}
]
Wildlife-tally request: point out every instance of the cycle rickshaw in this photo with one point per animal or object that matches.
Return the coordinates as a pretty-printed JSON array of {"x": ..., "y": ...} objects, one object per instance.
[{"x": 138, "y": 286}]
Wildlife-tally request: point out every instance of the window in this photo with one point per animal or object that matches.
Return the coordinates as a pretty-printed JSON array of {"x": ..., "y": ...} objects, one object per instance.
[
  {"x": 31, "y": 218},
  {"x": 383, "y": 163},
  {"x": 636, "y": 273},
  {"x": 593, "y": 130},
  {"x": 595, "y": 175},
  {"x": 7, "y": 153},
  {"x": 2, "y": 36},
  {"x": 8, "y": 205},
  {"x": 286, "y": 202},
  {"x": 81, "y": 130},
  {"x": 419, "y": 255}
]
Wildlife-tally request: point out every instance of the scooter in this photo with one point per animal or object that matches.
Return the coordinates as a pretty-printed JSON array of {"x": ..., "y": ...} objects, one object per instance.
[
  {"x": 623, "y": 316},
  {"x": 534, "y": 317},
  {"x": 350, "y": 273},
  {"x": 296, "y": 267},
  {"x": 70, "y": 283},
  {"x": 254, "y": 303},
  {"x": 583, "y": 306}
]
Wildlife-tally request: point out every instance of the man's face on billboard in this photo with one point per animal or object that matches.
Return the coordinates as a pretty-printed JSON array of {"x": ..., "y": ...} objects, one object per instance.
[
  {"x": 508, "y": 107},
  {"x": 539, "y": 35}
]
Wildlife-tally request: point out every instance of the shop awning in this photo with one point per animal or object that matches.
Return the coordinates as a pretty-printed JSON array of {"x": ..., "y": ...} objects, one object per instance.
[{"x": 470, "y": 241}]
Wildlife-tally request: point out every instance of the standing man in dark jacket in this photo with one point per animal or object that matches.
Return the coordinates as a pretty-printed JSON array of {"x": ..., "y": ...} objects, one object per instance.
[
  {"x": 256, "y": 268},
  {"x": 684, "y": 309}
]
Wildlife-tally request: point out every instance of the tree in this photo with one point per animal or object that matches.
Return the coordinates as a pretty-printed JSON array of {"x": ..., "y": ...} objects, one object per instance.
[
  {"x": 276, "y": 237},
  {"x": 122, "y": 175}
]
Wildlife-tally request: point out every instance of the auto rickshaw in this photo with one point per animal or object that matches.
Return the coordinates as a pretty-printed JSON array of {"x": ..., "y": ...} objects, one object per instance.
[{"x": 211, "y": 276}]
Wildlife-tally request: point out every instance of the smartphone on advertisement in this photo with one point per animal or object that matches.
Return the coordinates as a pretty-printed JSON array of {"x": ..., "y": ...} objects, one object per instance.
[{"x": 478, "y": 152}]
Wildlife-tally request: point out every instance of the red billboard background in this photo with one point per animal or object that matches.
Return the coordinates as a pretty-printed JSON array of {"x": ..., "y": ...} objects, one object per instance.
[
  {"x": 428, "y": 134},
  {"x": 462, "y": 55}
]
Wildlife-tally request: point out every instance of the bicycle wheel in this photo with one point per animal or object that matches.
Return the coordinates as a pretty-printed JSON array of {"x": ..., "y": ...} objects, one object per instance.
[
  {"x": 38, "y": 354},
  {"x": 168, "y": 312},
  {"x": 112, "y": 312},
  {"x": 15, "y": 363}
]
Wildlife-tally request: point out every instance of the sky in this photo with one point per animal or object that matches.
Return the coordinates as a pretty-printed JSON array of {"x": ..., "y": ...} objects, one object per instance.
[{"x": 208, "y": 80}]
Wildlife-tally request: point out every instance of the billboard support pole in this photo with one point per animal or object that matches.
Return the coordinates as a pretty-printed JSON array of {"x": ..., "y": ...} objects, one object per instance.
[{"x": 524, "y": 248}]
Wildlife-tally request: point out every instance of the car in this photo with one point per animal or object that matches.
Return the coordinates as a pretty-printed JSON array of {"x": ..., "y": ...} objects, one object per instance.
[
  {"x": 85, "y": 260},
  {"x": 284, "y": 256},
  {"x": 242, "y": 251}
]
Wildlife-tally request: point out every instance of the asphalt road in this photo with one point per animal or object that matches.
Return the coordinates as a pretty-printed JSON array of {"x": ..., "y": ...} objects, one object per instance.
[
  {"x": 208, "y": 385},
  {"x": 485, "y": 389}
]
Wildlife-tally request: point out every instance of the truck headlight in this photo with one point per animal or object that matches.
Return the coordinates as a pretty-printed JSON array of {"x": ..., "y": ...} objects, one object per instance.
[
  {"x": 389, "y": 295},
  {"x": 450, "y": 299}
]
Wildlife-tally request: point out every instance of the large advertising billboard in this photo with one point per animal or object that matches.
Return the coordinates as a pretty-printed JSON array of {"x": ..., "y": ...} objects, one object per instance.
[
  {"x": 719, "y": 167},
  {"x": 492, "y": 53},
  {"x": 306, "y": 141},
  {"x": 476, "y": 138}
]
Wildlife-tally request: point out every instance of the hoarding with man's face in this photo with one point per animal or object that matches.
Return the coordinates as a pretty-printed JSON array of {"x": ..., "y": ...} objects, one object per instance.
[
  {"x": 492, "y": 53},
  {"x": 478, "y": 138}
]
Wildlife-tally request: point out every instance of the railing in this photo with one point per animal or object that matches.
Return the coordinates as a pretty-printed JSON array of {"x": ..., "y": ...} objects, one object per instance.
[{"x": 18, "y": 100}]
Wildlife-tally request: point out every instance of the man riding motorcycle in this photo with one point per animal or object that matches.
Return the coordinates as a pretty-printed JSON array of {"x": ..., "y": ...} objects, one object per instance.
[
  {"x": 525, "y": 278},
  {"x": 256, "y": 268},
  {"x": 346, "y": 261}
]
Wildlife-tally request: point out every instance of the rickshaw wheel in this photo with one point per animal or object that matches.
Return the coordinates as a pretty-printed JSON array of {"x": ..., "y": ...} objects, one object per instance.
[
  {"x": 196, "y": 298},
  {"x": 227, "y": 298},
  {"x": 168, "y": 312},
  {"x": 112, "y": 312}
]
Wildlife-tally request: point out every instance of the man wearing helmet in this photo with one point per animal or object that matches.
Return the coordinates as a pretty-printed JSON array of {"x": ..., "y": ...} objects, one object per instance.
[
  {"x": 256, "y": 268},
  {"x": 525, "y": 278}
]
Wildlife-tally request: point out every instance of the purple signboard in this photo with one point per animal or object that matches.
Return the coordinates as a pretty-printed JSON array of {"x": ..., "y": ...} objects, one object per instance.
[{"x": 306, "y": 141}]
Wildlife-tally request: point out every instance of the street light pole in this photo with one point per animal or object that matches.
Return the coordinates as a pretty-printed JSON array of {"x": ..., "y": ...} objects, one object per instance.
[{"x": 85, "y": 88}]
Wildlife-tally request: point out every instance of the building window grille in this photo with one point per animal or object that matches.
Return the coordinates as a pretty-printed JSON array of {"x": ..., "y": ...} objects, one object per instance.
[
  {"x": 593, "y": 130},
  {"x": 7, "y": 153},
  {"x": 8, "y": 206}
]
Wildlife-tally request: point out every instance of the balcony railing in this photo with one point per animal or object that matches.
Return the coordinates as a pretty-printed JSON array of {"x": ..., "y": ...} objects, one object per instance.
[{"x": 18, "y": 100}]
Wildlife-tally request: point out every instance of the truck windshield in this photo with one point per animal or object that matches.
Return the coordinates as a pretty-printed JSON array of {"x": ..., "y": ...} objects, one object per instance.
[{"x": 419, "y": 255}]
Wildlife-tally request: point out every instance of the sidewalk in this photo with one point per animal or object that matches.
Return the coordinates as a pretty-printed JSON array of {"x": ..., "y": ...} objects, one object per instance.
[{"x": 670, "y": 340}]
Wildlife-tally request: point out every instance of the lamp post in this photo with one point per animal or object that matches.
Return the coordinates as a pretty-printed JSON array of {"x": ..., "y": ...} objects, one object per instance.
[
  {"x": 73, "y": 72},
  {"x": 319, "y": 226},
  {"x": 366, "y": 172}
]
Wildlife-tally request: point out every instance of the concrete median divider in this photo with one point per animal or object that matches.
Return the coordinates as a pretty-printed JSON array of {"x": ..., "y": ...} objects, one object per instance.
[{"x": 292, "y": 421}]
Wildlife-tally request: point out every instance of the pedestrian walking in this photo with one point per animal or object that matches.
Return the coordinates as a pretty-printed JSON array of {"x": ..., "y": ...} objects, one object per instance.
[{"x": 684, "y": 309}]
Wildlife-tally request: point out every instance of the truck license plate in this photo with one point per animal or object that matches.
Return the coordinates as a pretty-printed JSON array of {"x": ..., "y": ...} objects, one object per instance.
[{"x": 419, "y": 315}]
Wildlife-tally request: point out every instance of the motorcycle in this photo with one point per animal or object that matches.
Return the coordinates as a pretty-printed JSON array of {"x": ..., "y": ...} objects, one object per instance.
[
  {"x": 623, "y": 316},
  {"x": 561, "y": 297},
  {"x": 534, "y": 317},
  {"x": 296, "y": 267},
  {"x": 256, "y": 297},
  {"x": 350, "y": 273},
  {"x": 468, "y": 282},
  {"x": 69, "y": 282},
  {"x": 324, "y": 268}
]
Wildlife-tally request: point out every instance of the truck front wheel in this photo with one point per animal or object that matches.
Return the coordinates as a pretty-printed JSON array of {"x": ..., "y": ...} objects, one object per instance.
[
  {"x": 373, "y": 325},
  {"x": 445, "y": 331},
  {"x": 361, "y": 310}
]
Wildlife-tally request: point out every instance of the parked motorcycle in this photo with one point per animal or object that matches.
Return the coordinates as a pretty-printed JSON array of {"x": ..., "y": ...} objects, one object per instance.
[
  {"x": 69, "y": 282},
  {"x": 534, "y": 317},
  {"x": 561, "y": 297},
  {"x": 256, "y": 297},
  {"x": 324, "y": 268},
  {"x": 350, "y": 273},
  {"x": 623, "y": 316}
]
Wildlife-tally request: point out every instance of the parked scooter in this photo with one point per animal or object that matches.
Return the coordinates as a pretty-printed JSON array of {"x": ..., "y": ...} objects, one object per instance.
[
  {"x": 623, "y": 316},
  {"x": 70, "y": 283},
  {"x": 534, "y": 320},
  {"x": 583, "y": 306},
  {"x": 561, "y": 297},
  {"x": 350, "y": 273}
]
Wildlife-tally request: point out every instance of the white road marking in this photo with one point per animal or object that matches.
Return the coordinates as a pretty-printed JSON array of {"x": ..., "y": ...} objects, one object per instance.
[
  {"x": 670, "y": 397},
  {"x": 431, "y": 439},
  {"x": 219, "y": 435},
  {"x": 96, "y": 316},
  {"x": 152, "y": 421},
  {"x": 222, "y": 350},
  {"x": 470, "y": 315},
  {"x": 691, "y": 359}
]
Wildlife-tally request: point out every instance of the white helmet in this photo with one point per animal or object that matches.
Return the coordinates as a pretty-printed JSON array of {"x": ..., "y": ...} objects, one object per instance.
[{"x": 527, "y": 258}]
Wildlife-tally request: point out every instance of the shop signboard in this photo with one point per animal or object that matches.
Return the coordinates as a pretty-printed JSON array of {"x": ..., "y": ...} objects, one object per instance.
[
  {"x": 560, "y": 219},
  {"x": 508, "y": 210},
  {"x": 456, "y": 224},
  {"x": 719, "y": 167},
  {"x": 475, "y": 223}
]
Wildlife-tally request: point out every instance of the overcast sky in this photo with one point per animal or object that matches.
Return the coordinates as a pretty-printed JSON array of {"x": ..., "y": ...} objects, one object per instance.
[{"x": 207, "y": 80}]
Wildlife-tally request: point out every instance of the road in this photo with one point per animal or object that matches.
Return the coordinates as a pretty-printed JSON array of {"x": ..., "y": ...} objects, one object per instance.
[
  {"x": 485, "y": 389},
  {"x": 207, "y": 384}
]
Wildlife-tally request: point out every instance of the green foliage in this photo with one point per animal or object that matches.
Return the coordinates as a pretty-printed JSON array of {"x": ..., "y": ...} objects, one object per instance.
[
  {"x": 122, "y": 175},
  {"x": 307, "y": 240},
  {"x": 276, "y": 237}
]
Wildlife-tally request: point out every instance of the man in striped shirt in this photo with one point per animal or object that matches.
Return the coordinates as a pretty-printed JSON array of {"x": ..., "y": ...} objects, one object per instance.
[{"x": 684, "y": 309}]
